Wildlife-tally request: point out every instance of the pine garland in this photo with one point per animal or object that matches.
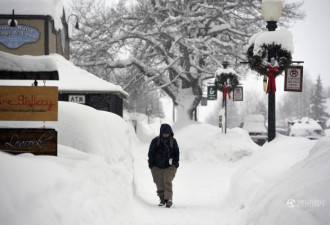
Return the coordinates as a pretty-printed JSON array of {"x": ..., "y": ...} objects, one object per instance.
[
  {"x": 259, "y": 62},
  {"x": 224, "y": 77}
]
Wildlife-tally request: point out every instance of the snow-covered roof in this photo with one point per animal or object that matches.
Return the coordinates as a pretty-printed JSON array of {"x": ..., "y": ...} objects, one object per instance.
[
  {"x": 72, "y": 78},
  {"x": 282, "y": 37},
  {"x": 53, "y": 8}
]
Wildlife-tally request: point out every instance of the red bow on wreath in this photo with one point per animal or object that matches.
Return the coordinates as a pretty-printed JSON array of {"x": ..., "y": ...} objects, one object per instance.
[
  {"x": 271, "y": 79},
  {"x": 226, "y": 91}
]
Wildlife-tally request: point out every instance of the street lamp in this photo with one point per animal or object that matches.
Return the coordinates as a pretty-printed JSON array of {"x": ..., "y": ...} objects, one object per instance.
[
  {"x": 12, "y": 21},
  {"x": 271, "y": 11},
  {"x": 77, "y": 22}
]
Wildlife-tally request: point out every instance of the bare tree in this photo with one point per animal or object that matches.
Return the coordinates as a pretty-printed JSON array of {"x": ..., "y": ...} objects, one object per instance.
[{"x": 176, "y": 45}]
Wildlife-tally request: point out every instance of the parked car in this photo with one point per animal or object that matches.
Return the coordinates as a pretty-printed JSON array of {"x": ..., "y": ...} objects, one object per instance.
[
  {"x": 255, "y": 125},
  {"x": 306, "y": 127}
]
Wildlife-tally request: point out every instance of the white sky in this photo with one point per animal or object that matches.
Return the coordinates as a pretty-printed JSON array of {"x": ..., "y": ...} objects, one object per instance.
[{"x": 312, "y": 39}]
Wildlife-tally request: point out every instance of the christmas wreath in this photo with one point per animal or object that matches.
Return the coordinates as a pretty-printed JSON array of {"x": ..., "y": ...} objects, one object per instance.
[
  {"x": 260, "y": 63},
  {"x": 226, "y": 83}
]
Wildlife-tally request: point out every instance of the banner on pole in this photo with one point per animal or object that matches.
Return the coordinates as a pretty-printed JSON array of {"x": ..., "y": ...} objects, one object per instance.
[{"x": 212, "y": 93}]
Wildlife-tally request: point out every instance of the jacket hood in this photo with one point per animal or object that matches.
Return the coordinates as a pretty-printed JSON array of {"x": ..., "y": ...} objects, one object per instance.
[{"x": 166, "y": 128}]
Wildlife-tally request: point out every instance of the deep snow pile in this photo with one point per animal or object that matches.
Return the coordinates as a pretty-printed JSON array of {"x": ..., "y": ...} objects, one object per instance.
[
  {"x": 284, "y": 183},
  {"x": 204, "y": 142},
  {"x": 90, "y": 184}
]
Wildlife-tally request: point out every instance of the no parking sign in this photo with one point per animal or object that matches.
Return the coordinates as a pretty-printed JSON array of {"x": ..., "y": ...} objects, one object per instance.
[{"x": 293, "y": 79}]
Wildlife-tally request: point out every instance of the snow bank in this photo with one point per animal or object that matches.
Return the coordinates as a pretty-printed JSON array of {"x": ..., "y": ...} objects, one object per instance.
[
  {"x": 73, "y": 188},
  {"x": 72, "y": 78},
  {"x": 205, "y": 143},
  {"x": 92, "y": 131},
  {"x": 90, "y": 182},
  {"x": 300, "y": 195},
  {"x": 282, "y": 37},
  {"x": 283, "y": 169},
  {"x": 53, "y": 8}
]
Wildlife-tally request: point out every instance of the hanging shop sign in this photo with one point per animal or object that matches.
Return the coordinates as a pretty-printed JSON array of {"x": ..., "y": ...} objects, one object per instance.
[
  {"x": 28, "y": 103},
  {"x": 81, "y": 99},
  {"x": 34, "y": 141},
  {"x": 238, "y": 93},
  {"x": 293, "y": 80},
  {"x": 15, "y": 37},
  {"x": 212, "y": 93},
  {"x": 204, "y": 101}
]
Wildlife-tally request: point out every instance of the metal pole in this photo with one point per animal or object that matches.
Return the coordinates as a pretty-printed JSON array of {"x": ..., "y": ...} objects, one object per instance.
[
  {"x": 271, "y": 26},
  {"x": 226, "y": 114},
  {"x": 271, "y": 115}
]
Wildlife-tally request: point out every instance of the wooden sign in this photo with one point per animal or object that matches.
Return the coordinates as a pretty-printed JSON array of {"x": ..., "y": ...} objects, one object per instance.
[
  {"x": 212, "y": 93},
  {"x": 35, "y": 141},
  {"x": 293, "y": 80},
  {"x": 28, "y": 103},
  {"x": 238, "y": 93}
]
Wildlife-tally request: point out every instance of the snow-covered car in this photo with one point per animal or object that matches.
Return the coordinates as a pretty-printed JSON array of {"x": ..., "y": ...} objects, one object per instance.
[
  {"x": 306, "y": 127},
  {"x": 255, "y": 125}
]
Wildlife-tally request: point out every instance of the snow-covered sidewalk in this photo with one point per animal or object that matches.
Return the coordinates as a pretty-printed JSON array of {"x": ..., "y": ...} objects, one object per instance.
[
  {"x": 101, "y": 176},
  {"x": 199, "y": 192}
]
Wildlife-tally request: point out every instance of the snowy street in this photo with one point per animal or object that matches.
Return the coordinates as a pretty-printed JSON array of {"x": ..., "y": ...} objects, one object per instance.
[
  {"x": 222, "y": 108},
  {"x": 103, "y": 177},
  {"x": 199, "y": 194}
]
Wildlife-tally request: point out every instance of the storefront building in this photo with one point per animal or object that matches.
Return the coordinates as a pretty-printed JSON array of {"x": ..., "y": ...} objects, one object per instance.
[{"x": 31, "y": 37}]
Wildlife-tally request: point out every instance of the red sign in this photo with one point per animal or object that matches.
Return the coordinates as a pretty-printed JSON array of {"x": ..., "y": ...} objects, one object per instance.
[{"x": 293, "y": 79}]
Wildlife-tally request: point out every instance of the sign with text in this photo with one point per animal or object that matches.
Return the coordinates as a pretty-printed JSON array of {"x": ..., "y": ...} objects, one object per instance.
[
  {"x": 35, "y": 141},
  {"x": 15, "y": 37},
  {"x": 238, "y": 94},
  {"x": 81, "y": 99},
  {"x": 212, "y": 93},
  {"x": 28, "y": 103},
  {"x": 293, "y": 80}
]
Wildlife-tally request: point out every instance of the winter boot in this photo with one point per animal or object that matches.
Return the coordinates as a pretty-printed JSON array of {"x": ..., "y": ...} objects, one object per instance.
[
  {"x": 169, "y": 203},
  {"x": 162, "y": 200}
]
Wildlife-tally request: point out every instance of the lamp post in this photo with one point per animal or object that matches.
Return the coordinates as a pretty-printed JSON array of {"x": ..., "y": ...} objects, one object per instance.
[
  {"x": 271, "y": 11},
  {"x": 225, "y": 65},
  {"x": 77, "y": 22},
  {"x": 12, "y": 21}
]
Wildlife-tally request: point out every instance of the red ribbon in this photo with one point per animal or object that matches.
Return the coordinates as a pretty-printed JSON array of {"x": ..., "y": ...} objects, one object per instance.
[
  {"x": 226, "y": 91},
  {"x": 271, "y": 79}
]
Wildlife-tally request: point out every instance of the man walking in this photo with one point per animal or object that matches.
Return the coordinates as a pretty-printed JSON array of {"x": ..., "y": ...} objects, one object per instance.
[{"x": 163, "y": 161}]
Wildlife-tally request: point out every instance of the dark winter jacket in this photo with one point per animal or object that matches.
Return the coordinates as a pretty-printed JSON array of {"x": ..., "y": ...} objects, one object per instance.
[{"x": 162, "y": 149}]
